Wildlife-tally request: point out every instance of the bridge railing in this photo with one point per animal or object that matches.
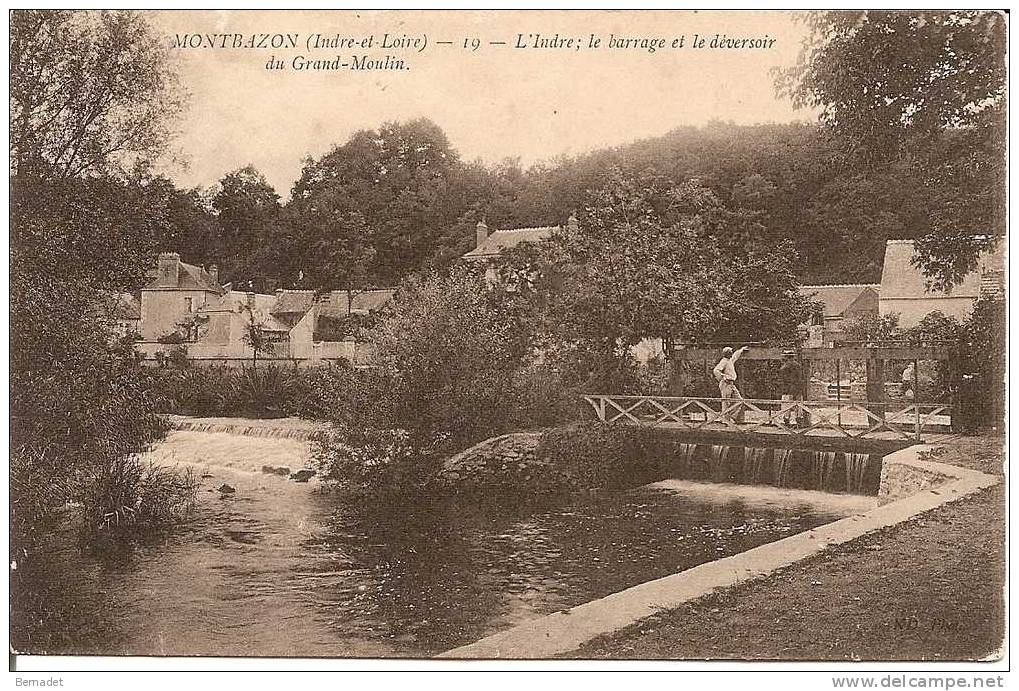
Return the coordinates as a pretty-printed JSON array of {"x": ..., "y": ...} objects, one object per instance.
[{"x": 856, "y": 419}]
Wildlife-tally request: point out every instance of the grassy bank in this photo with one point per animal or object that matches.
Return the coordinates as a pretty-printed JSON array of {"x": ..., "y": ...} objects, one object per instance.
[{"x": 928, "y": 589}]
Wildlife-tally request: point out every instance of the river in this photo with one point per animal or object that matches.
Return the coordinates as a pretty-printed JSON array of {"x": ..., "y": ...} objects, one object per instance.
[{"x": 280, "y": 568}]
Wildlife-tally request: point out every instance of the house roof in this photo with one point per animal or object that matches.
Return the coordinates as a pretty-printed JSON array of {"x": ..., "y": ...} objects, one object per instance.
[
  {"x": 500, "y": 240},
  {"x": 334, "y": 304},
  {"x": 838, "y": 298},
  {"x": 189, "y": 277},
  {"x": 293, "y": 302},
  {"x": 900, "y": 279},
  {"x": 236, "y": 301}
]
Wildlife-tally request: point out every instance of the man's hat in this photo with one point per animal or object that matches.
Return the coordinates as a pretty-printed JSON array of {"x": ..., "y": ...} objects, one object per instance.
[{"x": 726, "y": 351}]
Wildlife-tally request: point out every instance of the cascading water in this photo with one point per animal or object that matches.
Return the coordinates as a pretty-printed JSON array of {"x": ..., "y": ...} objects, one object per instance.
[
  {"x": 827, "y": 471},
  {"x": 686, "y": 456},
  {"x": 754, "y": 463},
  {"x": 856, "y": 471},
  {"x": 783, "y": 459},
  {"x": 823, "y": 468},
  {"x": 720, "y": 462}
]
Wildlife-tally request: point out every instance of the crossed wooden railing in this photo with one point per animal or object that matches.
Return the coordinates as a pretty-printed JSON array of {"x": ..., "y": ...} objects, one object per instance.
[{"x": 856, "y": 419}]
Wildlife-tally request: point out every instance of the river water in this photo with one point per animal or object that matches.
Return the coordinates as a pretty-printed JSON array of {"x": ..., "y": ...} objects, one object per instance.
[{"x": 286, "y": 569}]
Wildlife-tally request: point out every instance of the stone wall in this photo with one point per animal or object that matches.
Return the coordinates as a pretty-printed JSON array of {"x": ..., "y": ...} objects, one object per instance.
[
  {"x": 510, "y": 460},
  {"x": 899, "y": 480}
]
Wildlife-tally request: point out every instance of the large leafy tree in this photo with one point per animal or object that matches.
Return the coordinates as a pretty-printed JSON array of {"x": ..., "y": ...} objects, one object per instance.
[
  {"x": 407, "y": 182},
  {"x": 922, "y": 88},
  {"x": 247, "y": 209},
  {"x": 90, "y": 92},
  {"x": 331, "y": 246},
  {"x": 649, "y": 259}
]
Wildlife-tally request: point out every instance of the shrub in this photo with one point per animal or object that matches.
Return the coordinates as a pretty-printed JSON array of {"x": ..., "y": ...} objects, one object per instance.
[
  {"x": 365, "y": 458},
  {"x": 322, "y": 392},
  {"x": 441, "y": 379},
  {"x": 601, "y": 455},
  {"x": 126, "y": 495},
  {"x": 191, "y": 391},
  {"x": 262, "y": 391},
  {"x": 541, "y": 397}
]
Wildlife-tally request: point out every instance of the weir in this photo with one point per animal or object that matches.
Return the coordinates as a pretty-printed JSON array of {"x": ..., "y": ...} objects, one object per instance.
[{"x": 828, "y": 471}]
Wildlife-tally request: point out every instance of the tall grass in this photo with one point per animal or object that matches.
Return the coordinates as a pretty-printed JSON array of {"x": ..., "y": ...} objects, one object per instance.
[
  {"x": 268, "y": 391},
  {"x": 127, "y": 495}
]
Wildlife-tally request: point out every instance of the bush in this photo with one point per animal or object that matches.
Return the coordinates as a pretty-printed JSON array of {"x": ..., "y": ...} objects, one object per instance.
[
  {"x": 125, "y": 496},
  {"x": 365, "y": 458},
  {"x": 80, "y": 402},
  {"x": 262, "y": 391},
  {"x": 602, "y": 455},
  {"x": 267, "y": 391},
  {"x": 442, "y": 378},
  {"x": 322, "y": 392}
]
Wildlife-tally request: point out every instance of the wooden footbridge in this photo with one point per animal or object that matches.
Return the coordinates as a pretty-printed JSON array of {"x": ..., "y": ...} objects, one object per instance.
[
  {"x": 849, "y": 419},
  {"x": 875, "y": 418}
]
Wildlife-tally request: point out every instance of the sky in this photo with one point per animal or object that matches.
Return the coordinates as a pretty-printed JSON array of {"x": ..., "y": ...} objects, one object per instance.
[{"x": 495, "y": 102}]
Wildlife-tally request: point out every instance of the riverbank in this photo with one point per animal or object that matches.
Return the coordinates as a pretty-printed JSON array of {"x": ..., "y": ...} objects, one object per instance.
[{"x": 928, "y": 589}]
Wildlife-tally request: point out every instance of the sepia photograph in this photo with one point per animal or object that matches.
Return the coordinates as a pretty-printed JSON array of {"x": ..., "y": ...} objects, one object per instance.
[{"x": 475, "y": 337}]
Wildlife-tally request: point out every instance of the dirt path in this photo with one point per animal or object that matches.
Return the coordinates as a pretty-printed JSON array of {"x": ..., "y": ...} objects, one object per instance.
[{"x": 929, "y": 589}]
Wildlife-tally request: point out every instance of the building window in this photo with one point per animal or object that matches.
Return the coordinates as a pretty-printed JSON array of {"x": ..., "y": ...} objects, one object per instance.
[{"x": 190, "y": 304}]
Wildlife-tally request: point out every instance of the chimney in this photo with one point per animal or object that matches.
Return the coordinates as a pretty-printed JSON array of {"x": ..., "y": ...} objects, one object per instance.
[
  {"x": 214, "y": 272},
  {"x": 169, "y": 269},
  {"x": 482, "y": 232},
  {"x": 571, "y": 224}
]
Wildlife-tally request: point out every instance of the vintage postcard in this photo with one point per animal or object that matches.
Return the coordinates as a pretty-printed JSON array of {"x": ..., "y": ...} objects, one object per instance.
[{"x": 508, "y": 335}]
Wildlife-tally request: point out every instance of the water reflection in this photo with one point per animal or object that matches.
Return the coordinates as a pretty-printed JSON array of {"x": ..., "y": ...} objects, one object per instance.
[{"x": 278, "y": 571}]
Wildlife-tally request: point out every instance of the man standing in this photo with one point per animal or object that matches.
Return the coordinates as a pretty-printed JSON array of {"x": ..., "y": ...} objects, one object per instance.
[
  {"x": 789, "y": 378},
  {"x": 725, "y": 375}
]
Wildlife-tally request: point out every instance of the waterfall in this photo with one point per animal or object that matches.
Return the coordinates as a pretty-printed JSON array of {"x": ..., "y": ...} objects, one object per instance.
[
  {"x": 270, "y": 429},
  {"x": 856, "y": 471},
  {"x": 720, "y": 462},
  {"x": 685, "y": 459},
  {"x": 823, "y": 467},
  {"x": 753, "y": 465},
  {"x": 783, "y": 459}
]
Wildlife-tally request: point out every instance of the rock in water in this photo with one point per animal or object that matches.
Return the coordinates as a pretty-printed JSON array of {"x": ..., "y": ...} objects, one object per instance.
[
  {"x": 302, "y": 475},
  {"x": 226, "y": 489}
]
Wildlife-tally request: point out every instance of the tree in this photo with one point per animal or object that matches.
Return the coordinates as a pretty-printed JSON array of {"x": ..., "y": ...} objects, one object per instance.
[
  {"x": 190, "y": 327},
  {"x": 922, "y": 88},
  {"x": 187, "y": 225},
  {"x": 407, "y": 182},
  {"x": 90, "y": 92},
  {"x": 247, "y": 210},
  {"x": 331, "y": 244},
  {"x": 255, "y": 335},
  {"x": 650, "y": 259},
  {"x": 871, "y": 328},
  {"x": 442, "y": 377}
]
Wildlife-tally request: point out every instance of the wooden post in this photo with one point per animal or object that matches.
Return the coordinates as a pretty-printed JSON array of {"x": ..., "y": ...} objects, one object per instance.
[
  {"x": 916, "y": 395},
  {"x": 876, "y": 385},
  {"x": 838, "y": 387}
]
